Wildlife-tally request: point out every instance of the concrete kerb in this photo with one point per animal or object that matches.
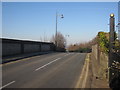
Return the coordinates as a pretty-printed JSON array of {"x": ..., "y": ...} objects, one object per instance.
[{"x": 84, "y": 74}]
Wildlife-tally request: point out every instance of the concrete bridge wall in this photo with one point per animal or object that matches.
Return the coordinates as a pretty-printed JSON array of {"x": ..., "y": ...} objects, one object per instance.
[
  {"x": 99, "y": 62},
  {"x": 15, "y": 47}
]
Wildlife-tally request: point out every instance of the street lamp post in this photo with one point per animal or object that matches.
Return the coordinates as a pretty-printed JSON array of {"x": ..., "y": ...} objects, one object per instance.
[
  {"x": 56, "y": 27},
  {"x": 56, "y": 31}
]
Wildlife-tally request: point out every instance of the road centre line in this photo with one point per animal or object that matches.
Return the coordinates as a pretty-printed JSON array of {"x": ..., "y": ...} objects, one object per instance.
[
  {"x": 67, "y": 54},
  {"x": 46, "y": 64},
  {"x": 7, "y": 85},
  {"x": 49, "y": 63}
]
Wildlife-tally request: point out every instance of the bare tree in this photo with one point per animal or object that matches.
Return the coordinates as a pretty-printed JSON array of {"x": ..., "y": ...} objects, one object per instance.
[
  {"x": 87, "y": 45},
  {"x": 59, "y": 40}
]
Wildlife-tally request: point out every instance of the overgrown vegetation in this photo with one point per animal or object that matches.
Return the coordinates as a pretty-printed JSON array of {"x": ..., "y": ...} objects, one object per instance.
[
  {"x": 83, "y": 47},
  {"x": 102, "y": 39},
  {"x": 103, "y": 42}
]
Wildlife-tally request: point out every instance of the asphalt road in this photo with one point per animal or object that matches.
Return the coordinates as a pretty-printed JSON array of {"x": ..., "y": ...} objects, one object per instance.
[{"x": 55, "y": 70}]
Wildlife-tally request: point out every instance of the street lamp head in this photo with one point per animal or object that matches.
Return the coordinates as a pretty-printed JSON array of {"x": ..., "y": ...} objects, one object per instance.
[
  {"x": 112, "y": 15},
  {"x": 62, "y": 16}
]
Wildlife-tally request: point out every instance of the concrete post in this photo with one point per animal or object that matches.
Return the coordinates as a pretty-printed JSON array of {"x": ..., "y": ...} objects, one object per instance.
[{"x": 111, "y": 44}]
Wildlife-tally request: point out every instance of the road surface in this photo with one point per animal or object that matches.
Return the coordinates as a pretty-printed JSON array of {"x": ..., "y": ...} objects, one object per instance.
[{"x": 55, "y": 70}]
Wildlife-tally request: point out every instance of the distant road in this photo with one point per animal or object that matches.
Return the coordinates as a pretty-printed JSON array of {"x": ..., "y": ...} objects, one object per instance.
[{"x": 55, "y": 70}]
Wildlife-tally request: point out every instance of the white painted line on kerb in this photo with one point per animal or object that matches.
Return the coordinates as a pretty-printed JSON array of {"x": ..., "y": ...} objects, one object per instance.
[
  {"x": 46, "y": 64},
  {"x": 86, "y": 74},
  {"x": 7, "y": 85}
]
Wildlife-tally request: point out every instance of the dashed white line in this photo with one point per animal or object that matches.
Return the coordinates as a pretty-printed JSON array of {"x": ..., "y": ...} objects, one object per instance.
[
  {"x": 7, "y": 85},
  {"x": 46, "y": 64}
]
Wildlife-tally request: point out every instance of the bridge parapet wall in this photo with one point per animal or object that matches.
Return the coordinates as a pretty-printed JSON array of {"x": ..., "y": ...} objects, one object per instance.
[{"x": 14, "y": 47}]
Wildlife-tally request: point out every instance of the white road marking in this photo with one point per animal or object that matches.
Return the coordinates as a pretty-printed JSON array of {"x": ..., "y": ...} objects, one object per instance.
[
  {"x": 7, "y": 85},
  {"x": 84, "y": 74},
  {"x": 67, "y": 54},
  {"x": 47, "y": 64}
]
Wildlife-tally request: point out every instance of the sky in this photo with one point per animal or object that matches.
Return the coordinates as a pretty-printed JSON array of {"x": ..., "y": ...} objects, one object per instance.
[
  {"x": 59, "y": 0},
  {"x": 37, "y": 20}
]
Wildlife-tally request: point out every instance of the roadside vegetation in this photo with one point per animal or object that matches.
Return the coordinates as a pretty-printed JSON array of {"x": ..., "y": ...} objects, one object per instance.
[
  {"x": 83, "y": 47},
  {"x": 103, "y": 42},
  {"x": 59, "y": 41},
  {"x": 102, "y": 39}
]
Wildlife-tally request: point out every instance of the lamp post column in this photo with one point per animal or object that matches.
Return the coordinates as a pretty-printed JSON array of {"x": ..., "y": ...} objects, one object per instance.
[{"x": 56, "y": 31}]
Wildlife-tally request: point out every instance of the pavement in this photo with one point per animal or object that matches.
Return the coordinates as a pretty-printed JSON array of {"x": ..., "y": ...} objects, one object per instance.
[{"x": 54, "y": 70}]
